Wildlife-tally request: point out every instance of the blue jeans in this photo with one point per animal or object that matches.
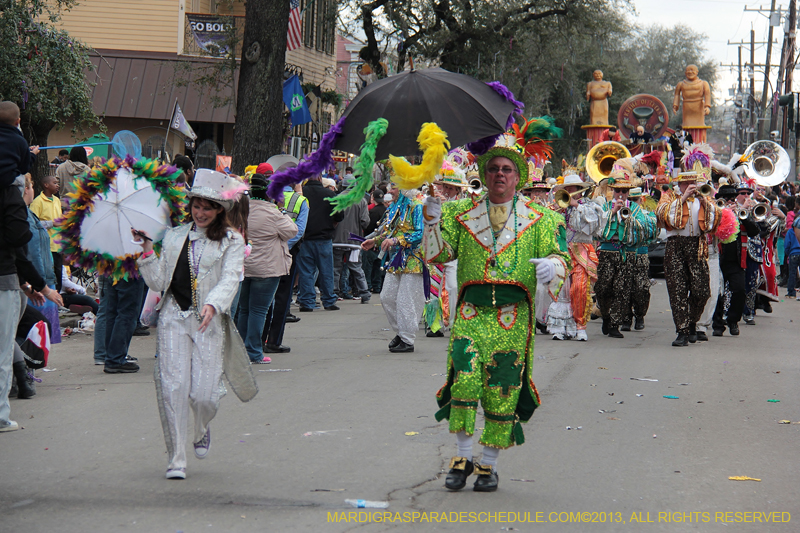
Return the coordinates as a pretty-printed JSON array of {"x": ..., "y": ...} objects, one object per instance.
[
  {"x": 316, "y": 255},
  {"x": 122, "y": 303},
  {"x": 100, "y": 325},
  {"x": 255, "y": 298},
  {"x": 792, "y": 263}
]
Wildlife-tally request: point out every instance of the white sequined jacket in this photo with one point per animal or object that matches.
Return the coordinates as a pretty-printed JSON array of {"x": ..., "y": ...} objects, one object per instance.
[{"x": 221, "y": 264}]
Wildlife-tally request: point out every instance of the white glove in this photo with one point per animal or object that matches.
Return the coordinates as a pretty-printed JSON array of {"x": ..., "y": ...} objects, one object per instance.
[
  {"x": 432, "y": 210},
  {"x": 545, "y": 270},
  {"x": 46, "y": 224}
]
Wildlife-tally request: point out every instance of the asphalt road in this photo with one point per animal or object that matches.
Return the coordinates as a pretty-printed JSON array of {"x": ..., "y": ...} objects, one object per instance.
[{"x": 348, "y": 419}]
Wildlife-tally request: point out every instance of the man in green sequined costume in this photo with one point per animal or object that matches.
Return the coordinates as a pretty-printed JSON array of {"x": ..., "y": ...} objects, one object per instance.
[{"x": 504, "y": 244}]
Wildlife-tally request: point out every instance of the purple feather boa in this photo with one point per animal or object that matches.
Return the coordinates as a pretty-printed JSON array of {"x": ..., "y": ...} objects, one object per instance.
[
  {"x": 316, "y": 163},
  {"x": 481, "y": 146}
]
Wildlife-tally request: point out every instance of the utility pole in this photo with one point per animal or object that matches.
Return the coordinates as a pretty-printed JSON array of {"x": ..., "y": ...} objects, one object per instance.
[
  {"x": 788, "y": 69},
  {"x": 765, "y": 96},
  {"x": 751, "y": 104}
]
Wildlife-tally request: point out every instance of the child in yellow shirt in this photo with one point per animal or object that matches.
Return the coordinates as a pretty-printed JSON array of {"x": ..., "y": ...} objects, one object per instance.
[{"x": 47, "y": 207}]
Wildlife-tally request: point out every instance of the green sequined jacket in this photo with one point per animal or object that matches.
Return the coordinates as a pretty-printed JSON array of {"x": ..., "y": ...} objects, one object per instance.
[{"x": 465, "y": 233}]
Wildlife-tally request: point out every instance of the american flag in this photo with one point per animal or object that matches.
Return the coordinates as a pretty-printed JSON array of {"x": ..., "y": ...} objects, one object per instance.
[{"x": 294, "y": 38}]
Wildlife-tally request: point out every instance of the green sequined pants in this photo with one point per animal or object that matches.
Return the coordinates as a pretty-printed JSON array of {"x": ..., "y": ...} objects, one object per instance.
[{"x": 489, "y": 361}]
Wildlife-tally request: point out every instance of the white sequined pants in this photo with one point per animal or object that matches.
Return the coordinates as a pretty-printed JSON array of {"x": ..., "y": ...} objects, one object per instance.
[
  {"x": 451, "y": 285},
  {"x": 716, "y": 286},
  {"x": 403, "y": 300},
  {"x": 187, "y": 375}
]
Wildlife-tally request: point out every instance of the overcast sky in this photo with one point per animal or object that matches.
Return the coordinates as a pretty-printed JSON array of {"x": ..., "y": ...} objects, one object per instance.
[{"x": 722, "y": 21}]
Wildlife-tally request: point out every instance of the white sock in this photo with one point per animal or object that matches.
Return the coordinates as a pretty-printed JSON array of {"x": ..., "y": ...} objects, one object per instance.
[
  {"x": 490, "y": 456},
  {"x": 464, "y": 445}
]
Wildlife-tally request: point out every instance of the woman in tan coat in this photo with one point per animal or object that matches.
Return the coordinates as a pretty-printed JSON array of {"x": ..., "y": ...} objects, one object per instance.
[{"x": 268, "y": 231}]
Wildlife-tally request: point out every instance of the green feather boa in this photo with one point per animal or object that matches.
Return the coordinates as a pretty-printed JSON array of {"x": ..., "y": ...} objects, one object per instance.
[{"x": 373, "y": 133}]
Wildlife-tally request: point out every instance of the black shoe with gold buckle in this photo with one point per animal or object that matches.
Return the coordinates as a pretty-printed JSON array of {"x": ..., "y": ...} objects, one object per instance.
[
  {"x": 460, "y": 469},
  {"x": 487, "y": 479}
]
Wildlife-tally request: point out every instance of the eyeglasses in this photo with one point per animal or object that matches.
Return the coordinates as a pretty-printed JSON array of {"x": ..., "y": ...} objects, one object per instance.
[
  {"x": 498, "y": 170},
  {"x": 744, "y": 194}
]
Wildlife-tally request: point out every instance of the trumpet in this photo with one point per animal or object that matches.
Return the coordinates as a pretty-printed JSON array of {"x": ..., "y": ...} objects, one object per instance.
[
  {"x": 759, "y": 212},
  {"x": 624, "y": 213},
  {"x": 705, "y": 190},
  {"x": 720, "y": 203},
  {"x": 562, "y": 198},
  {"x": 475, "y": 186}
]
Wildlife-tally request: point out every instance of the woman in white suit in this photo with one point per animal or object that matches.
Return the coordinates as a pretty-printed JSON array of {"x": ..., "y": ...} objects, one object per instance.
[{"x": 198, "y": 272}]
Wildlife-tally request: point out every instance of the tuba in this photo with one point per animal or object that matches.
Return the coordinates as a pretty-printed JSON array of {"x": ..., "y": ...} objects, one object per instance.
[
  {"x": 600, "y": 159},
  {"x": 767, "y": 163}
]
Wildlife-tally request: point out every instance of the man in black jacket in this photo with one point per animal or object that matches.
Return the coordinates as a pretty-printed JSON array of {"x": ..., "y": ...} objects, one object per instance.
[
  {"x": 315, "y": 260},
  {"x": 731, "y": 263},
  {"x": 369, "y": 258}
]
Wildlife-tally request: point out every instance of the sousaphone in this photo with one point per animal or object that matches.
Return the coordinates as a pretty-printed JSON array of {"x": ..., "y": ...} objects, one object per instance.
[
  {"x": 601, "y": 158},
  {"x": 767, "y": 163}
]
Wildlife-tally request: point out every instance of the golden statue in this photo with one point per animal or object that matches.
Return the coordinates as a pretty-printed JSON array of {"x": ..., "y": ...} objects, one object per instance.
[
  {"x": 696, "y": 95},
  {"x": 597, "y": 92}
]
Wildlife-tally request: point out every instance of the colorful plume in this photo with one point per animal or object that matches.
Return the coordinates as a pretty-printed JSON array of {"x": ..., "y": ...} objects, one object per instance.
[
  {"x": 434, "y": 145},
  {"x": 535, "y": 136},
  {"x": 373, "y": 133},
  {"x": 698, "y": 153},
  {"x": 316, "y": 163}
]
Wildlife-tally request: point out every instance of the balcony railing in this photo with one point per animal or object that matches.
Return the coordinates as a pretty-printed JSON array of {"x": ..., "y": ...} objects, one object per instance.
[{"x": 212, "y": 35}]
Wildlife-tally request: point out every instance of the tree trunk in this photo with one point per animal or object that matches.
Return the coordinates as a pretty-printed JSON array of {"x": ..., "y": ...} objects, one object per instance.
[
  {"x": 36, "y": 134},
  {"x": 258, "y": 133}
]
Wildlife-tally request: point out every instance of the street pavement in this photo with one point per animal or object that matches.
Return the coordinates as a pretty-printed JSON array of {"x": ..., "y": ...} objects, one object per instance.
[{"x": 349, "y": 420}]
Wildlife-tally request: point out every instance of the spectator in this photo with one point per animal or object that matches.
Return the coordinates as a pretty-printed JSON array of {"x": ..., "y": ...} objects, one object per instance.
[
  {"x": 355, "y": 221},
  {"x": 69, "y": 171},
  {"x": 185, "y": 165},
  {"x": 63, "y": 155},
  {"x": 296, "y": 206},
  {"x": 269, "y": 231},
  {"x": 74, "y": 296},
  {"x": 37, "y": 253},
  {"x": 792, "y": 247},
  {"x": 16, "y": 158},
  {"x": 316, "y": 256},
  {"x": 369, "y": 258},
  {"x": 47, "y": 207}
]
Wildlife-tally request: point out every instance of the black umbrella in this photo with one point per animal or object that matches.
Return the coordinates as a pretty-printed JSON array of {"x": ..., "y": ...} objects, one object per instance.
[{"x": 465, "y": 108}]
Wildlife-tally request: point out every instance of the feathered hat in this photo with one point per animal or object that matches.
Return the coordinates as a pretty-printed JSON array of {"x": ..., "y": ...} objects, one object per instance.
[
  {"x": 622, "y": 174},
  {"x": 532, "y": 140},
  {"x": 698, "y": 158}
]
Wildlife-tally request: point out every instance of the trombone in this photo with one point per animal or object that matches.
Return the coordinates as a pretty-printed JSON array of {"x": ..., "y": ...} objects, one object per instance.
[{"x": 562, "y": 198}]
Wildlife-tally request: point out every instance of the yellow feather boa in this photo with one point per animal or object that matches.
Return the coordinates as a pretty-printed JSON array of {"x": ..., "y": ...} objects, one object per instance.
[{"x": 434, "y": 145}]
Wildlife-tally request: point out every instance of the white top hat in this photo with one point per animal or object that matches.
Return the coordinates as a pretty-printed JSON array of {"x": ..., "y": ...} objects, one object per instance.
[{"x": 216, "y": 187}]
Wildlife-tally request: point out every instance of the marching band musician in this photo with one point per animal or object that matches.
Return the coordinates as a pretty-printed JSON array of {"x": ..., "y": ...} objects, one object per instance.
[
  {"x": 568, "y": 316},
  {"x": 687, "y": 217},
  {"x": 640, "y": 297},
  {"x": 733, "y": 259},
  {"x": 623, "y": 225}
]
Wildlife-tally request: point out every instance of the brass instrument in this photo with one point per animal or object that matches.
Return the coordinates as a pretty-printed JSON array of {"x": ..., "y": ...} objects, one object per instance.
[
  {"x": 759, "y": 212},
  {"x": 705, "y": 190},
  {"x": 624, "y": 213},
  {"x": 475, "y": 186},
  {"x": 601, "y": 158},
  {"x": 720, "y": 203},
  {"x": 767, "y": 163},
  {"x": 562, "y": 198}
]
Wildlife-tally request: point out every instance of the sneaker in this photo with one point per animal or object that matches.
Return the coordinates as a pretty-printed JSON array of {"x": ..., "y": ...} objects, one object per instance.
[
  {"x": 306, "y": 309},
  {"x": 581, "y": 336},
  {"x": 99, "y": 362},
  {"x": 291, "y": 318},
  {"x": 132, "y": 359},
  {"x": 365, "y": 299},
  {"x": 141, "y": 331},
  {"x": 333, "y": 307},
  {"x": 559, "y": 337},
  {"x": 126, "y": 368},
  {"x": 176, "y": 473},
  {"x": 8, "y": 426},
  {"x": 265, "y": 361},
  {"x": 201, "y": 448}
]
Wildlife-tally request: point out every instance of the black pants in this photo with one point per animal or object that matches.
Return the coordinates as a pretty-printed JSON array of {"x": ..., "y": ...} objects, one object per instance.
[
  {"x": 687, "y": 280},
  {"x": 279, "y": 310},
  {"x": 734, "y": 281},
  {"x": 640, "y": 296},
  {"x": 58, "y": 263}
]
